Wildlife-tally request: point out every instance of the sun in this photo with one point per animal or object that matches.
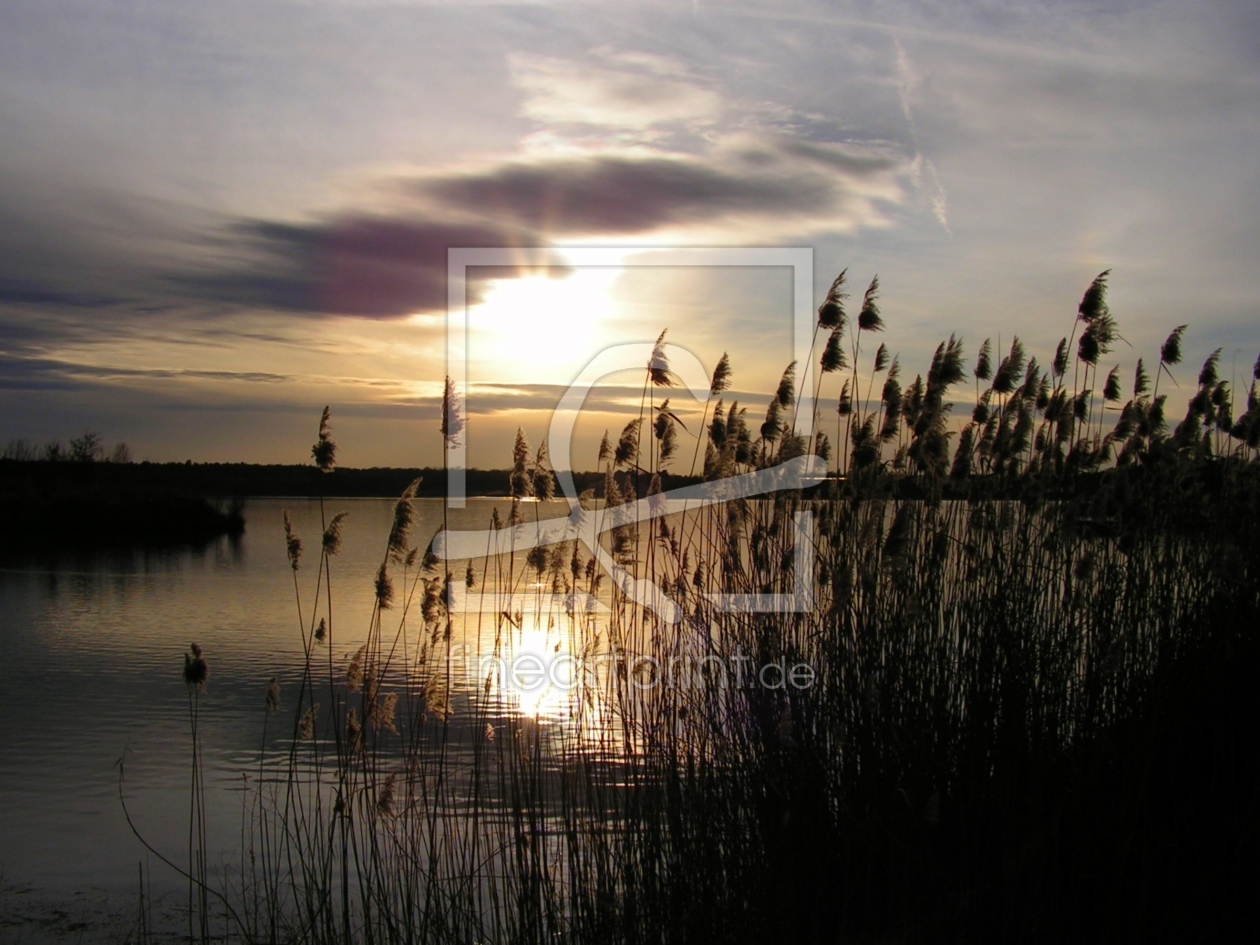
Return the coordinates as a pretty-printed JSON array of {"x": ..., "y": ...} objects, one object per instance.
[
  {"x": 543, "y": 680},
  {"x": 534, "y": 328}
]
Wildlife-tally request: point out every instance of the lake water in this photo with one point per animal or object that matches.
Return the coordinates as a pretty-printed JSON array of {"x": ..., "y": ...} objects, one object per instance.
[{"x": 91, "y": 675}]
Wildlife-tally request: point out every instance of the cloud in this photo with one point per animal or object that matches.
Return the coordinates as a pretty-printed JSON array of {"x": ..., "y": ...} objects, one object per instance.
[
  {"x": 348, "y": 264},
  {"x": 907, "y": 79},
  {"x": 122, "y": 257},
  {"x": 617, "y": 195},
  {"x": 387, "y": 266},
  {"x": 28, "y": 292},
  {"x": 605, "y": 398},
  {"x": 773, "y": 181},
  {"x": 36, "y": 373},
  {"x": 617, "y": 90},
  {"x": 48, "y": 257}
]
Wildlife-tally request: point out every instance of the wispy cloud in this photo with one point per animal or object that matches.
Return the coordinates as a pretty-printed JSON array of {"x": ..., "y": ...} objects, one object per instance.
[
  {"x": 612, "y": 89},
  {"x": 906, "y": 80},
  {"x": 34, "y": 373}
]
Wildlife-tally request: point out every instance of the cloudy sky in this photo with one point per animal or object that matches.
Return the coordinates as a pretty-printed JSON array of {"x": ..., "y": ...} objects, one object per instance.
[{"x": 217, "y": 218}]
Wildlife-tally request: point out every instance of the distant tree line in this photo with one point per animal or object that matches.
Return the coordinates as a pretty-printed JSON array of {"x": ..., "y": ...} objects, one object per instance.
[{"x": 88, "y": 448}]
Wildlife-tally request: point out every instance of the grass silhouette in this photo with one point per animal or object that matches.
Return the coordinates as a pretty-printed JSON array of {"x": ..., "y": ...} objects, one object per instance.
[{"x": 1026, "y": 719}]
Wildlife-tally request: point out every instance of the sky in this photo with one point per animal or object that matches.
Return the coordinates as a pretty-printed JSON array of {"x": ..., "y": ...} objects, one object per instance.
[{"x": 217, "y": 218}]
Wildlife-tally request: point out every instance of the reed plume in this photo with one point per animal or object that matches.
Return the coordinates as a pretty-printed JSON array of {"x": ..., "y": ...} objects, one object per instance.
[
  {"x": 324, "y": 452},
  {"x": 869, "y": 318},
  {"x": 273, "y": 695},
  {"x": 658, "y": 365},
  {"x": 721, "y": 379},
  {"x": 196, "y": 669},
  {"x": 293, "y": 544},
  {"x": 400, "y": 530},
  {"x": 831, "y": 315},
  {"x": 332, "y": 534},
  {"x": 452, "y": 415},
  {"x": 521, "y": 483}
]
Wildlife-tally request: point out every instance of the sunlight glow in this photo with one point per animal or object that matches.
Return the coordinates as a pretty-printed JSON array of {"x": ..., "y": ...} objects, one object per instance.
[
  {"x": 527, "y": 329},
  {"x": 550, "y": 649}
]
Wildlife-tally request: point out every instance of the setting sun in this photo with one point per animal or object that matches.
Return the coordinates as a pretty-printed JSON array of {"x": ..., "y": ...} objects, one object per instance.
[{"x": 541, "y": 322}]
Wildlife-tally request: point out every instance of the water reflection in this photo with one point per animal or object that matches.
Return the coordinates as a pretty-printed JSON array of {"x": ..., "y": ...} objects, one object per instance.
[{"x": 93, "y": 648}]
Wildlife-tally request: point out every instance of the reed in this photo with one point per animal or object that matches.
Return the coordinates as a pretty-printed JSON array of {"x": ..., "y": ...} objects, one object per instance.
[{"x": 1010, "y": 610}]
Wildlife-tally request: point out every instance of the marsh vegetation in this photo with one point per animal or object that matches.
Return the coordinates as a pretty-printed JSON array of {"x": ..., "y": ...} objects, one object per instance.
[{"x": 1026, "y": 716}]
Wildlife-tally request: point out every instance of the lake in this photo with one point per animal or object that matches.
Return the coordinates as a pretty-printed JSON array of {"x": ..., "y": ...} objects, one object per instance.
[
  {"x": 993, "y": 679},
  {"x": 92, "y": 675}
]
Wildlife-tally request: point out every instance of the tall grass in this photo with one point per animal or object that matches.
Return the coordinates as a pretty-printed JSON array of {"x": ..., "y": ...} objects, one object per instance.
[{"x": 1009, "y": 616}]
